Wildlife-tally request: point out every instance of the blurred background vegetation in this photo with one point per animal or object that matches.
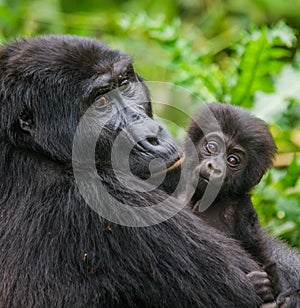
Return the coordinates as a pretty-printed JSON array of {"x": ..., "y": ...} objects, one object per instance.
[{"x": 240, "y": 52}]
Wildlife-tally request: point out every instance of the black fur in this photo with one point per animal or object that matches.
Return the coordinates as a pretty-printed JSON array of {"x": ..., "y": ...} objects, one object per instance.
[
  {"x": 232, "y": 211},
  {"x": 55, "y": 251}
]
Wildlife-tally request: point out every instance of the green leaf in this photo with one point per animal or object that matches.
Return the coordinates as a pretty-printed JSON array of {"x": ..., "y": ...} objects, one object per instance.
[
  {"x": 271, "y": 107},
  {"x": 264, "y": 54},
  {"x": 282, "y": 34},
  {"x": 284, "y": 228}
]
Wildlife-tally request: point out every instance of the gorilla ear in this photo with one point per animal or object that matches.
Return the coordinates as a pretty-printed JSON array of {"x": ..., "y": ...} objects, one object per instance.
[{"x": 26, "y": 121}]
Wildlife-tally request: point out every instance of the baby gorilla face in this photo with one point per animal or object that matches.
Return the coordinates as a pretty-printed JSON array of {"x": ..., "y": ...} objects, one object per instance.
[
  {"x": 234, "y": 150},
  {"x": 221, "y": 159}
]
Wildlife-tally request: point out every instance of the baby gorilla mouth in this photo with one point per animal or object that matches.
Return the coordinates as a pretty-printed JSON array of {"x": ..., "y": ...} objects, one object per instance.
[{"x": 204, "y": 178}]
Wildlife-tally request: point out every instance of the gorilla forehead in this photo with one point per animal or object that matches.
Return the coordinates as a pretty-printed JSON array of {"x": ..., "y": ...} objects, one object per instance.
[
  {"x": 235, "y": 122},
  {"x": 72, "y": 56}
]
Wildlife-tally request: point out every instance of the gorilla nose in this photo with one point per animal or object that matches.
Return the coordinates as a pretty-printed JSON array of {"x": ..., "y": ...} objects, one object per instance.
[
  {"x": 152, "y": 140},
  {"x": 147, "y": 135},
  {"x": 215, "y": 169},
  {"x": 149, "y": 142}
]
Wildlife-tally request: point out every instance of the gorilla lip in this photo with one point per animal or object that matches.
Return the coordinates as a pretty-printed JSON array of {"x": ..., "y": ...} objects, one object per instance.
[
  {"x": 173, "y": 165},
  {"x": 204, "y": 179},
  {"x": 176, "y": 163}
]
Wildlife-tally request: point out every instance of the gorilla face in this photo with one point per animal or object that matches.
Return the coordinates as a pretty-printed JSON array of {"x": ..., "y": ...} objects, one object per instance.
[
  {"x": 60, "y": 86},
  {"x": 235, "y": 150}
]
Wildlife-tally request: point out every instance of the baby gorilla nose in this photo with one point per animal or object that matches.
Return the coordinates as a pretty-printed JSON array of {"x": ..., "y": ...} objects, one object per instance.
[{"x": 215, "y": 169}]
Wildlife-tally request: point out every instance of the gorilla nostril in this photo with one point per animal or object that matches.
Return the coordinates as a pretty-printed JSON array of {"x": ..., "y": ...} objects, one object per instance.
[
  {"x": 214, "y": 170},
  {"x": 210, "y": 167},
  {"x": 152, "y": 140}
]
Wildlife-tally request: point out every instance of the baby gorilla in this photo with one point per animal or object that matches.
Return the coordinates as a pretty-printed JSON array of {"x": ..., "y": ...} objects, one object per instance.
[{"x": 234, "y": 149}]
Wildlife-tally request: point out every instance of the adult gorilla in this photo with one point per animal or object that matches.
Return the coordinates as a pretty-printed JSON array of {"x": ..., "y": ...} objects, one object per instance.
[{"x": 55, "y": 251}]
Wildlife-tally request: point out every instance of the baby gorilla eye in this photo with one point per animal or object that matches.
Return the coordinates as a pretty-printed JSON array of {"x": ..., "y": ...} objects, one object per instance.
[
  {"x": 101, "y": 102},
  {"x": 212, "y": 147},
  {"x": 233, "y": 161}
]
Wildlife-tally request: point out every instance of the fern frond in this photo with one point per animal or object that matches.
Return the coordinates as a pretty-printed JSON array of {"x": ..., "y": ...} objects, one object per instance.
[{"x": 264, "y": 53}]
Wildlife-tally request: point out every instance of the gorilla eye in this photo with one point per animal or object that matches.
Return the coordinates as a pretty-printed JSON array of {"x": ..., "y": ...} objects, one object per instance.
[
  {"x": 212, "y": 147},
  {"x": 101, "y": 102},
  {"x": 123, "y": 82},
  {"x": 233, "y": 160}
]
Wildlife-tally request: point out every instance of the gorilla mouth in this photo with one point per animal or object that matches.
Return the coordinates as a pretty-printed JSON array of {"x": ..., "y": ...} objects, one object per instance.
[
  {"x": 176, "y": 163},
  {"x": 204, "y": 178}
]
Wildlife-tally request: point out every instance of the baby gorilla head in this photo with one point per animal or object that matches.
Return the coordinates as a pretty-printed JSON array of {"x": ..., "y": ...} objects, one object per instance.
[{"x": 234, "y": 149}]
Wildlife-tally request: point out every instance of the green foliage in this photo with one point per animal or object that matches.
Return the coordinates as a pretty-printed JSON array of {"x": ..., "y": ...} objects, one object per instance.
[
  {"x": 277, "y": 201},
  {"x": 261, "y": 54}
]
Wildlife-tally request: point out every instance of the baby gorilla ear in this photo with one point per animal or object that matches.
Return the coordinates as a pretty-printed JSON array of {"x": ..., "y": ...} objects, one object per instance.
[{"x": 26, "y": 121}]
